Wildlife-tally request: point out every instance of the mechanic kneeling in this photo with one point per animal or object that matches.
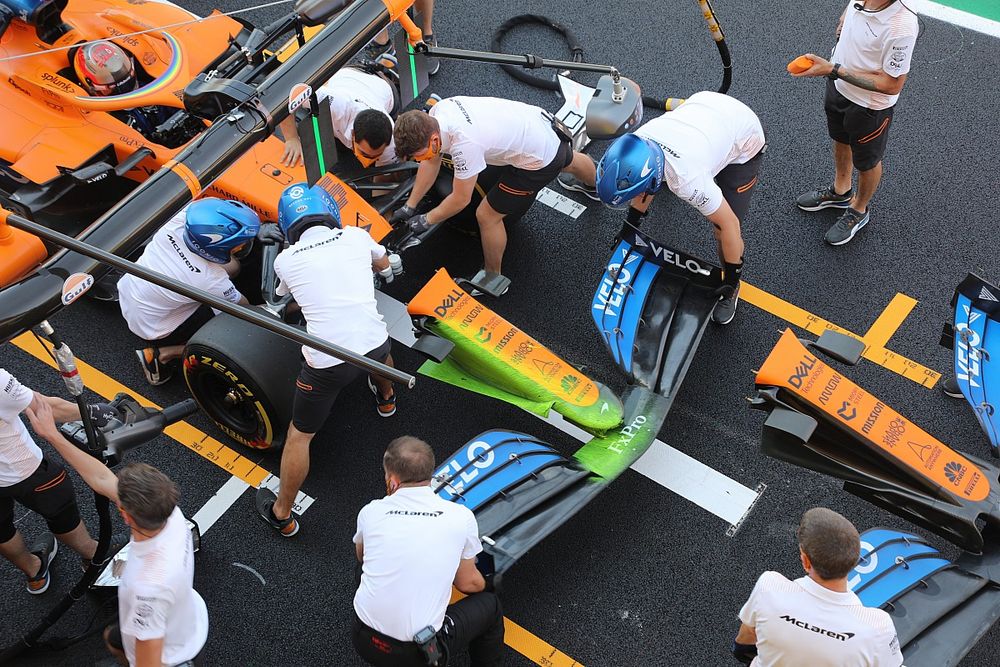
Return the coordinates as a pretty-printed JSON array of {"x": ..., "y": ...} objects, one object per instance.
[{"x": 414, "y": 546}]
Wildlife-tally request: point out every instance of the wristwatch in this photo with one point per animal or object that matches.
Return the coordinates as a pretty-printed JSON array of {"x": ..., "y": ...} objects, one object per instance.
[{"x": 834, "y": 73}]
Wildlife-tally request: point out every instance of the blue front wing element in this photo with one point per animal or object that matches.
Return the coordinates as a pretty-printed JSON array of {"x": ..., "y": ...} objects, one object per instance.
[
  {"x": 892, "y": 563},
  {"x": 976, "y": 328},
  {"x": 619, "y": 300}
]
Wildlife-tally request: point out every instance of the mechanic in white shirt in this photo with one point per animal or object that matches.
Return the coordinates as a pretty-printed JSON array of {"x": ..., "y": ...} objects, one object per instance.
[
  {"x": 875, "y": 40},
  {"x": 476, "y": 132},
  {"x": 816, "y": 620},
  {"x": 328, "y": 271},
  {"x": 363, "y": 102},
  {"x": 161, "y": 618},
  {"x": 201, "y": 247},
  {"x": 38, "y": 483},
  {"x": 414, "y": 546},
  {"x": 708, "y": 152}
]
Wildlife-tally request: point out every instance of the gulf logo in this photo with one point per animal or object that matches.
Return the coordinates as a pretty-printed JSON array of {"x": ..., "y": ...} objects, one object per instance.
[
  {"x": 75, "y": 286},
  {"x": 299, "y": 97}
]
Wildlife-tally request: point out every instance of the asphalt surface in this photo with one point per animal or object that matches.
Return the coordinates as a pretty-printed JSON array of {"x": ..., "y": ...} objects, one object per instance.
[{"x": 641, "y": 576}]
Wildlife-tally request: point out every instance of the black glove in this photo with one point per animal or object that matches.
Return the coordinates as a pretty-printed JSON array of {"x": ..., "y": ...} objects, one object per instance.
[
  {"x": 402, "y": 213},
  {"x": 634, "y": 216},
  {"x": 102, "y": 414},
  {"x": 418, "y": 224},
  {"x": 270, "y": 234}
]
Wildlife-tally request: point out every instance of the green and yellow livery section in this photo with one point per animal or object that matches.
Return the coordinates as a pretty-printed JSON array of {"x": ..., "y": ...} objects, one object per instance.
[{"x": 496, "y": 358}]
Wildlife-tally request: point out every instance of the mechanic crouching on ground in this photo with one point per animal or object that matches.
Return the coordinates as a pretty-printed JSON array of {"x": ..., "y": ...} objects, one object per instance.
[
  {"x": 38, "y": 483},
  {"x": 161, "y": 618},
  {"x": 816, "y": 620},
  {"x": 414, "y": 546},
  {"x": 481, "y": 131},
  {"x": 201, "y": 246},
  {"x": 708, "y": 152},
  {"x": 328, "y": 271}
]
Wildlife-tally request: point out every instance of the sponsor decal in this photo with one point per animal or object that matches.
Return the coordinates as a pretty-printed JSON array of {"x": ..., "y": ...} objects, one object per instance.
[
  {"x": 801, "y": 370},
  {"x": 627, "y": 434},
  {"x": 667, "y": 256},
  {"x": 954, "y": 471},
  {"x": 872, "y": 418},
  {"x": 611, "y": 294},
  {"x": 57, "y": 81},
  {"x": 987, "y": 295},
  {"x": 76, "y": 286},
  {"x": 967, "y": 352},
  {"x": 478, "y": 453},
  {"x": 299, "y": 97},
  {"x": 847, "y": 411},
  {"x": 842, "y": 636},
  {"x": 148, "y": 58},
  {"x": 414, "y": 513},
  {"x": 12, "y": 82}
]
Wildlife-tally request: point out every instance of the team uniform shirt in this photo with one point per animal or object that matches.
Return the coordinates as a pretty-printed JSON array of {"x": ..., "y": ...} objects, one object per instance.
[
  {"x": 351, "y": 91},
  {"x": 19, "y": 455},
  {"x": 413, "y": 543},
  {"x": 329, "y": 272},
  {"x": 802, "y": 623},
  {"x": 873, "y": 41},
  {"x": 700, "y": 138},
  {"x": 156, "y": 597},
  {"x": 154, "y": 312},
  {"x": 481, "y": 131}
]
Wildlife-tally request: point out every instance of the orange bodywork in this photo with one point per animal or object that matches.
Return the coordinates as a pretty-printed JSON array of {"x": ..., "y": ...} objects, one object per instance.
[{"x": 49, "y": 121}]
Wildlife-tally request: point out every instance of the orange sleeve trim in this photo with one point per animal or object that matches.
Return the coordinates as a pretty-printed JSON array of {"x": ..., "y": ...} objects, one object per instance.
[
  {"x": 744, "y": 188},
  {"x": 876, "y": 133},
  {"x": 186, "y": 175}
]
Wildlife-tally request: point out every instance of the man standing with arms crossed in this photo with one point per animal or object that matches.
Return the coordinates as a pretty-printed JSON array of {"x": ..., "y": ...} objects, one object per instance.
[{"x": 869, "y": 66}]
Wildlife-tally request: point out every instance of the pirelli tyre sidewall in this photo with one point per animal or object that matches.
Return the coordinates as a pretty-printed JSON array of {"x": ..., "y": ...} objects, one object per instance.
[{"x": 243, "y": 377}]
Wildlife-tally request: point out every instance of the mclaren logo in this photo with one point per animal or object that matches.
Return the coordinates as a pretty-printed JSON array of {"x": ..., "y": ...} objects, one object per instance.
[{"x": 842, "y": 636}]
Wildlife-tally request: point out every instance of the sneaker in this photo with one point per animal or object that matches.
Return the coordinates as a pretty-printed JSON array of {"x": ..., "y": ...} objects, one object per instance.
[
  {"x": 264, "y": 502},
  {"x": 571, "y": 182},
  {"x": 386, "y": 406},
  {"x": 816, "y": 200},
  {"x": 46, "y": 549},
  {"x": 374, "y": 51},
  {"x": 725, "y": 310},
  {"x": 846, "y": 227},
  {"x": 156, "y": 372},
  {"x": 433, "y": 64},
  {"x": 950, "y": 387}
]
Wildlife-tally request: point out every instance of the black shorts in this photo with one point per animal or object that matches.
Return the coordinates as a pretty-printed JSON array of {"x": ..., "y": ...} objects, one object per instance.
[
  {"x": 865, "y": 130},
  {"x": 316, "y": 389},
  {"x": 182, "y": 334},
  {"x": 515, "y": 191},
  {"x": 115, "y": 640},
  {"x": 47, "y": 491},
  {"x": 737, "y": 182}
]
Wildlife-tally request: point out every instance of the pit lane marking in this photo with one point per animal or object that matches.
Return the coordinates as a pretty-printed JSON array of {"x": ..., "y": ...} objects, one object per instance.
[
  {"x": 560, "y": 202},
  {"x": 815, "y": 324},
  {"x": 890, "y": 320},
  {"x": 194, "y": 439},
  {"x": 965, "y": 19}
]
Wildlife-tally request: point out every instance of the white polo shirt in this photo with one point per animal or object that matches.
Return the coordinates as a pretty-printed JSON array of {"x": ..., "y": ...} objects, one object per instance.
[
  {"x": 700, "y": 138},
  {"x": 156, "y": 597},
  {"x": 802, "y": 623},
  {"x": 413, "y": 543},
  {"x": 329, "y": 272},
  {"x": 349, "y": 92},
  {"x": 19, "y": 455},
  {"x": 481, "y": 131},
  {"x": 153, "y": 312},
  {"x": 873, "y": 41}
]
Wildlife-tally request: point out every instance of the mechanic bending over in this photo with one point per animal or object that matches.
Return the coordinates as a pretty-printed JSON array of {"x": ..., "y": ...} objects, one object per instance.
[
  {"x": 161, "y": 618},
  {"x": 414, "y": 546},
  {"x": 363, "y": 101},
  {"x": 38, "y": 483},
  {"x": 708, "y": 152},
  {"x": 816, "y": 620},
  {"x": 328, "y": 271},
  {"x": 481, "y": 131},
  {"x": 875, "y": 40},
  {"x": 201, "y": 246}
]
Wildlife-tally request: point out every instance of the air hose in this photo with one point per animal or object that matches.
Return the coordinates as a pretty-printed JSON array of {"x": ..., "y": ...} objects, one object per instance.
[{"x": 576, "y": 51}]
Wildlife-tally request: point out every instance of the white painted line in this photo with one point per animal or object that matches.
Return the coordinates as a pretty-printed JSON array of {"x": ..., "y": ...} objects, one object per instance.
[
  {"x": 217, "y": 505},
  {"x": 955, "y": 16},
  {"x": 560, "y": 203},
  {"x": 687, "y": 477}
]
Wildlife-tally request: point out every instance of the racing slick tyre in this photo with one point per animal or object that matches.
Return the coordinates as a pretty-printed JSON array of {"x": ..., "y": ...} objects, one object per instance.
[{"x": 243, "y": 377}]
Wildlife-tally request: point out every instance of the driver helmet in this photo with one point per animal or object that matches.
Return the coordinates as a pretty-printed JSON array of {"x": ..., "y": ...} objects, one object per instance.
[
  {"x": 218, "y": 229},
  {"x": 104, "y": 69},
  {"x": 631, "y": 167},
  {"x": 301, "y": 207}
]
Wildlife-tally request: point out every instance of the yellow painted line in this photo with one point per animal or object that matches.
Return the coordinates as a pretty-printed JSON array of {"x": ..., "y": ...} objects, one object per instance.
[
  {"x": 890, "y": 320},
  {"x": 184, "y": 433},
  {"x": 815, "y": 324}
]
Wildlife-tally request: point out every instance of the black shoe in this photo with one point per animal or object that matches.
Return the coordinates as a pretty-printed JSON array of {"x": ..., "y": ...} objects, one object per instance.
[
  {"x": 386, "y": 406},
  {"x": 846, "y": 226},
  {"x": 950, "y": 387},
  {"x": 816, "y": 200},
  {"x": 46, "y": 549},
  {"x": 157, "y": 373},
  {"x": 571, "y": 182},
  {"x": 725, "y": 310},
  {"x": 264, "y": 502},
  {"x": 374, "y": 51},
  {"x": 433, "y": 64}
]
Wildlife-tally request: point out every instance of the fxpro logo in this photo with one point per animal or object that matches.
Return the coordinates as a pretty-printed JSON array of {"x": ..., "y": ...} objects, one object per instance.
[
  {"x": 842, "y": 636},
  {"x": 967, "y": 352},
  {"x": 670, "y": 256},
  {"x": 627, "y": 434}
]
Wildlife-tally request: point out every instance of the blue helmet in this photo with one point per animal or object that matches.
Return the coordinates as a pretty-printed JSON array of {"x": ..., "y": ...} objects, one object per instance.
[
  {"x": 215, "y": 228},
  {"x": 302, "y": 206},
  {"x": 631, "y": 167}
]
